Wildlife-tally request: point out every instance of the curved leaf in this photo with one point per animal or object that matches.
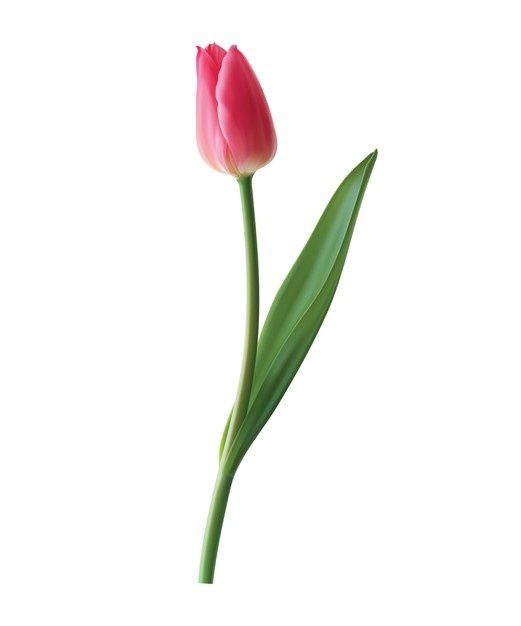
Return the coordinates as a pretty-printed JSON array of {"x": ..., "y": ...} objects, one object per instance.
[
  {"x": 223, "y": 436},
  {"x": 300, "y": 307}
]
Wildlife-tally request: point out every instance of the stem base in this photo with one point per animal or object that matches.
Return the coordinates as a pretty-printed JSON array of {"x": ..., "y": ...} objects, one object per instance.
[{"x": 214, "y": 525}]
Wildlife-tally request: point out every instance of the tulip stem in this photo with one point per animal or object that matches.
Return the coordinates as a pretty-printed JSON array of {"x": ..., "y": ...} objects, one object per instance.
[
  {"x": 224, "y": 478},
  {"x": 213, "y": 527},
  {"x": 252, "y": 314}
]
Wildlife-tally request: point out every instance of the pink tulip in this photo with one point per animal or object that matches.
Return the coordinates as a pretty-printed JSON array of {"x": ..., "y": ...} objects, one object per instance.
[{"x": 235, "y": 132}]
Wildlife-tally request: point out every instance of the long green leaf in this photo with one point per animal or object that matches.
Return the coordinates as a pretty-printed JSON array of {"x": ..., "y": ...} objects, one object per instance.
[{"x": 300, "y": 307}]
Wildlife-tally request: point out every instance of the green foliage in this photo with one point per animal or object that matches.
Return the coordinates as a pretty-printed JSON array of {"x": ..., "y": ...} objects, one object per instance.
[{"x": 299, "y": 308}]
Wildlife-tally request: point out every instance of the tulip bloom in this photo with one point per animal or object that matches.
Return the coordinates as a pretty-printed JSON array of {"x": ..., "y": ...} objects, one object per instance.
[{"x": 235, "y": 132}]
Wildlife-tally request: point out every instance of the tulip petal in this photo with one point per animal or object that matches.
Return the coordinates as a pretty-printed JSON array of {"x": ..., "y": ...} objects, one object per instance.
[
  {"x": 243, "y": 114},
  {"x": 217, "y": 53},
  {"x": 210, "y": 140}
]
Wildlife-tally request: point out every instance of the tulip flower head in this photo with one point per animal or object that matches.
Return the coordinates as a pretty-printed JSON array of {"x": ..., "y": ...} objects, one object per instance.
[{"x": 235, "y": 132}]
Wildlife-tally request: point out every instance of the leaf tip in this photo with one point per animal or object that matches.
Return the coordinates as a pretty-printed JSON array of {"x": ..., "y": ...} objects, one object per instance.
[{"x": 370, "y": 159}]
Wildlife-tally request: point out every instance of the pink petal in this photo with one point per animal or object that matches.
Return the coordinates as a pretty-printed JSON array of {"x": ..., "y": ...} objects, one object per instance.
[
  {"x": 217, "y": 53},
  {"x": 243, "y": 114},
  {"x": 210, "y": 140}
]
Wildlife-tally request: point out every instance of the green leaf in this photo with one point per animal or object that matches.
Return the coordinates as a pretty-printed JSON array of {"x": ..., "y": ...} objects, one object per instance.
[
  {"x": 223, "y": 436},
  {"x": 300, "y": 307}
]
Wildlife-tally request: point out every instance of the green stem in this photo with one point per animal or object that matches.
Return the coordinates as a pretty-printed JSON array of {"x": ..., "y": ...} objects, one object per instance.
[
  {"x": 224, "y": 478},
  {"x": 213, "y": 527},
  {"x": 252, "y": 314}
]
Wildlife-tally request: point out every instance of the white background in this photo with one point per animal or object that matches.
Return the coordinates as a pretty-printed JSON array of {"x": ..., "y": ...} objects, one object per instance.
[{"x": 386, "y": 487}]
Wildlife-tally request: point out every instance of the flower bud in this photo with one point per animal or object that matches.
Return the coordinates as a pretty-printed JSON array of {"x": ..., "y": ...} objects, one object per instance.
[{"x": 235, "y": 132}]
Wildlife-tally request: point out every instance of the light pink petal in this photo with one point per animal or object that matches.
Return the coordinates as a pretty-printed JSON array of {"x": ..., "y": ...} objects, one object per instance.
[
  {"x": 210, "y": 140},
  {"x": 243, "y": 114}
]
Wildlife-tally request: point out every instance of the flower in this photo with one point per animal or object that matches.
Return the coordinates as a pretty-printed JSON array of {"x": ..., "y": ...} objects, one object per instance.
[{"x": 235, "y": 132}]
